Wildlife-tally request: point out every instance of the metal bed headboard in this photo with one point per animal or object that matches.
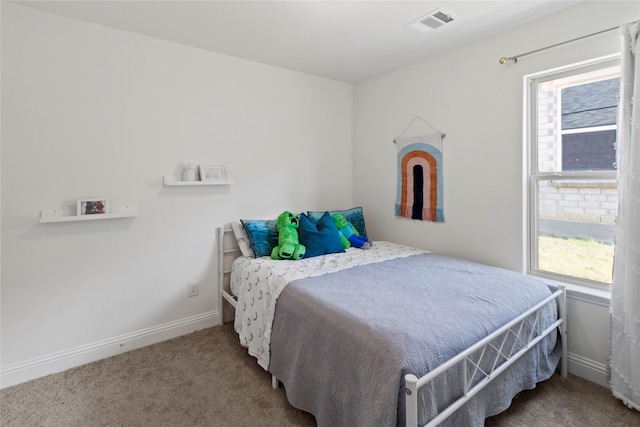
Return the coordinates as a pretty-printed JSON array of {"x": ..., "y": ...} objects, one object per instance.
[{"x": 228, "y": 250}]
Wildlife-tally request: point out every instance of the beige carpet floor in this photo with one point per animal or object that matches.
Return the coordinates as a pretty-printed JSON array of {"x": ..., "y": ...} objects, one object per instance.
[{"x": 207, "y": 379}]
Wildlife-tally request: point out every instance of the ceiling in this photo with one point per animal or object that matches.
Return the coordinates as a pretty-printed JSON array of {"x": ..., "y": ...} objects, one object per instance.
[{"x": 342, "y": 40}]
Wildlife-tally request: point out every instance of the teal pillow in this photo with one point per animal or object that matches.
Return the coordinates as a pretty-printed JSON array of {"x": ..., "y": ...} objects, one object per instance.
[
  {"x": 263, "y": 235},
  {"x": 354, "y": 215},
  {"x": 319, "y": 238}
]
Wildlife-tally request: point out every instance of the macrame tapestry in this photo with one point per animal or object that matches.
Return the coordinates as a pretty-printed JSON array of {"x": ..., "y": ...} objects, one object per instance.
[{"x": 420, "y": 178}]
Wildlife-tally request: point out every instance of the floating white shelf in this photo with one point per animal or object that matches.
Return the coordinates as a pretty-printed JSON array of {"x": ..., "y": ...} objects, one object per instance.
[
  {"x": 54, "y": 216},
  {"x": 169, "y": 181}
]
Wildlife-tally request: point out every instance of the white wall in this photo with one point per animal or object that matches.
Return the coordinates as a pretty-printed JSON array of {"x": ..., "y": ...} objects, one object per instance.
[
  {"x": 478, "y": 103},
  {"x": 93, "y": 111}
]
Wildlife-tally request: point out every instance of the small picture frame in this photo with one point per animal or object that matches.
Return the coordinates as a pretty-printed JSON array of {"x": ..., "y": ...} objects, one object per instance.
[
  {"x": 92, "y": 206},
  {"x": 212, "y": 173}
]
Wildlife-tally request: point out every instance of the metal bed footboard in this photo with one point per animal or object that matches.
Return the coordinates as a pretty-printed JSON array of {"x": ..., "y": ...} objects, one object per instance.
[{"x": 413, "y": 384}]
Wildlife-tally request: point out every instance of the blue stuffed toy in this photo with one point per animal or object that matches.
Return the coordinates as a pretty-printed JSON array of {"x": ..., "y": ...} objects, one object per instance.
[{"x": 348, "y": 233}]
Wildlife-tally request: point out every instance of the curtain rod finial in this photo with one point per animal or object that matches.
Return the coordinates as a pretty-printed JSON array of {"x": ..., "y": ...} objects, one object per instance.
[{"x": 505, "y": 59}]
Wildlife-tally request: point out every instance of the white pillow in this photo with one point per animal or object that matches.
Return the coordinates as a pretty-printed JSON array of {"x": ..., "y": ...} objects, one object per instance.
[{"x": 242, "y": 238}]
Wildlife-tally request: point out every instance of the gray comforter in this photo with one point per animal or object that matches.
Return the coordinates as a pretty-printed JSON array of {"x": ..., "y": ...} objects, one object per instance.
[{"x": 342, "y": 342}]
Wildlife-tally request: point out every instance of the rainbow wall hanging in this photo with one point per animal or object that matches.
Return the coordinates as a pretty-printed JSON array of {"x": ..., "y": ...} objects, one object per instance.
[{"x": 419, "y": 193}]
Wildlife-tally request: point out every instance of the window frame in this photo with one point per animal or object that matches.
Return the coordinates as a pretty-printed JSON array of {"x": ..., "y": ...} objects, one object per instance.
[{"x": 533, "y": 176}]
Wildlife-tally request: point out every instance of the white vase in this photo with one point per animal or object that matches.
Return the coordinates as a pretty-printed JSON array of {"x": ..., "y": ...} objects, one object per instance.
[{"x": 189, "y": 174}]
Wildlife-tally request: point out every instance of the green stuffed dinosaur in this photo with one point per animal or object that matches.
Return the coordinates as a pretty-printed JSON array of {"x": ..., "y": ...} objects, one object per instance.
[
  {"x": 349, "y": 234},
  {"x": 289, "y": 246}
]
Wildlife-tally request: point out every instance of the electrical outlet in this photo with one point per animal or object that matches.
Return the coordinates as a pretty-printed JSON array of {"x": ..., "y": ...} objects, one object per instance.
[{"x": 193, "y": 289}]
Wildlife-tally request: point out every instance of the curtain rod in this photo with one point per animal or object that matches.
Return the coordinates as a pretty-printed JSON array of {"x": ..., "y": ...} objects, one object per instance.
[{"x": 506, "y": 59}]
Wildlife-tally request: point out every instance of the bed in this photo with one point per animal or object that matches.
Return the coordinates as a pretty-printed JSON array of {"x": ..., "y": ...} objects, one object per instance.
[{"x": 393, "y": 335}]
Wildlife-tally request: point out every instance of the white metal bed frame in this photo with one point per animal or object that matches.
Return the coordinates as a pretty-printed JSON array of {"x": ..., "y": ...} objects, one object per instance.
[
  {"x": 223, "y": 271},
  {"x": 471, "y": 358}
]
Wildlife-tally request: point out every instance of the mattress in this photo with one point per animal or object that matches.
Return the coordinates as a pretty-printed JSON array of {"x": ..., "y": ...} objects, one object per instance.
[
  {"x": 342, "y": 343},
  {"x": 257, "y": 283},
  {"x": 349, "y": 326}
]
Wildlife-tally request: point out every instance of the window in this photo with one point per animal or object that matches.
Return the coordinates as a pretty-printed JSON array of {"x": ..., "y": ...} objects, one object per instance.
[{"x": 572, "y": 188}]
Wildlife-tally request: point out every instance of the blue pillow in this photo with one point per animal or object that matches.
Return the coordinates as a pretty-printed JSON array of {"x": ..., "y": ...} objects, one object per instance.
[
  {"x": 320, "y": 238},
  {"x": 263, "y": 235},
  {"x": 353, "y": 215}
]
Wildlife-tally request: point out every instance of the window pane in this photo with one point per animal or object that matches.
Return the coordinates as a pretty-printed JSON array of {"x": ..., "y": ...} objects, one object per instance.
[
  {"x": 576, "y": 104},
  {"x": 589, "y": 151},
  {"x": 575, "y": 227},
  {"x": 590, "y": 104}
]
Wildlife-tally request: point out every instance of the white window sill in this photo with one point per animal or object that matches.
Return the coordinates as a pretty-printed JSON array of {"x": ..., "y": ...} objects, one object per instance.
[{"x": 583, "y": 293}]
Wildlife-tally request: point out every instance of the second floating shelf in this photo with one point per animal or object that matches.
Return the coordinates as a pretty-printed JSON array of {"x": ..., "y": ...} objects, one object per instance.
[{"x": 169, "y": 181}]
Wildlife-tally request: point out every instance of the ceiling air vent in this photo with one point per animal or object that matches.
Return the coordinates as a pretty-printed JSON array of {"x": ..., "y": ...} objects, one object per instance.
[{"x": 431, "y": 21}]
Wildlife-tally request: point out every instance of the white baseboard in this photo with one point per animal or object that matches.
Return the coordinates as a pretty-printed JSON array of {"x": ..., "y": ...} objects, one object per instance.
[
  {"x": 588, "y": 369},
  {"x": 39, "y": 367},
  {"x": 67, "y": 359}
]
